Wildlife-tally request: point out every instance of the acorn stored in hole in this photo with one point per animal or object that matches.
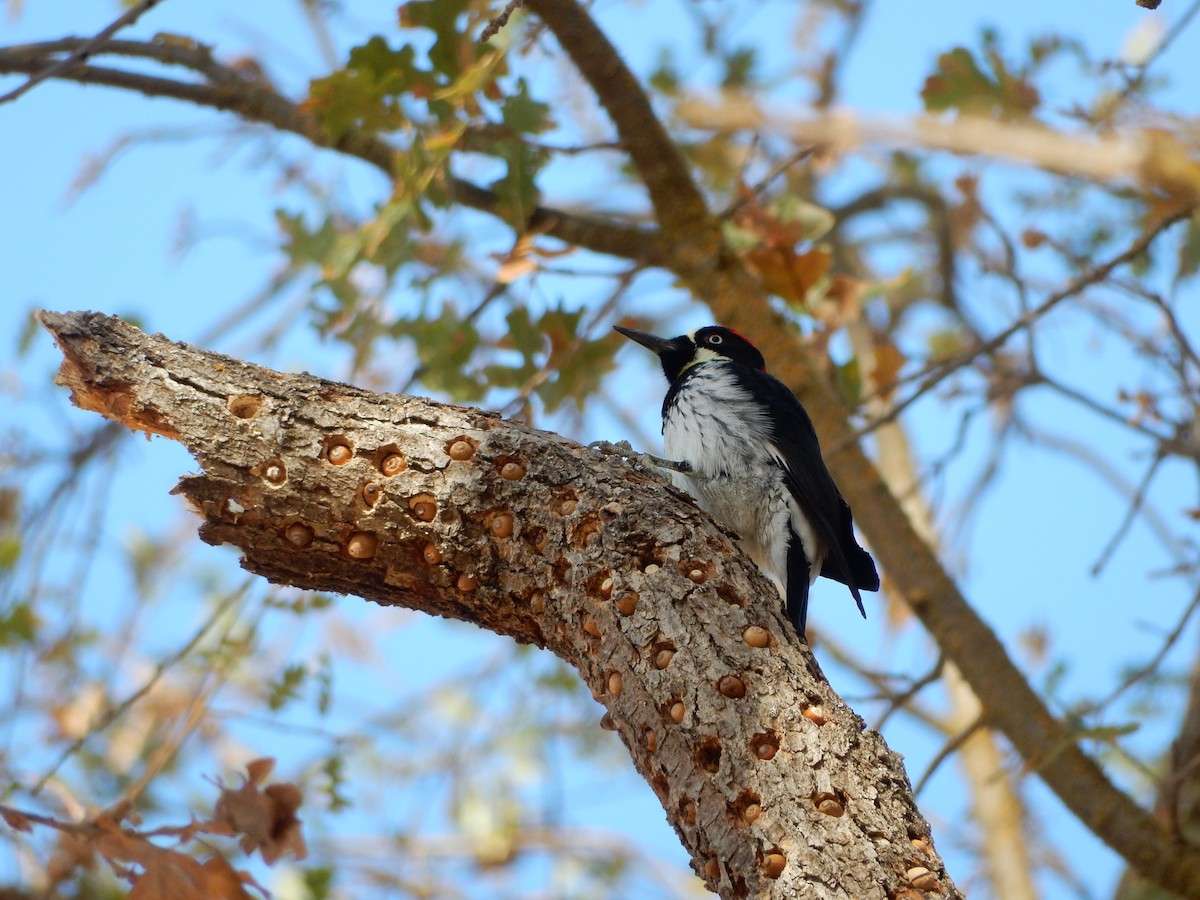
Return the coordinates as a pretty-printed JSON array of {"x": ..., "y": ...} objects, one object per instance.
[
  {"x": 424, "y": 507},
  {"x": 467, "y": 582},
  {"x": 816, "y": 715},
  {"x": 298, "y": 534},
  {"x": 393, "y": 464},
  {"x": 829, "y": 804},
  {"x": 773, "y": 864},
  {"x": 362, "y": 545},
  {"x": 616, "y": 683},
  {"x": 756, "y": 636},
  {"x": 512, "y": 471},
  {"x": 732, "y": 686}
]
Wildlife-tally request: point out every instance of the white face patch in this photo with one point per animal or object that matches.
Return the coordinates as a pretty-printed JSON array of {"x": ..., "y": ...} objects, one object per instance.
[{"x": 703, "y": 354}]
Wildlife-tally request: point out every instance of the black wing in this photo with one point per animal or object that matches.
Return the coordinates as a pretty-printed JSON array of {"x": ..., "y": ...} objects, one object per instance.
[{"x": 811, "y": 484}]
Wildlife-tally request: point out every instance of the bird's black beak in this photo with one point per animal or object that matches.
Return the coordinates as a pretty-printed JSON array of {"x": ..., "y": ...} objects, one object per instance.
[{"x": 649, "y": 341}]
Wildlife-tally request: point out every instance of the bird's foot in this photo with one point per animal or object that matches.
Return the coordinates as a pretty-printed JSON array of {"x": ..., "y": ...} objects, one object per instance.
[{"x": 625, "y": 450}]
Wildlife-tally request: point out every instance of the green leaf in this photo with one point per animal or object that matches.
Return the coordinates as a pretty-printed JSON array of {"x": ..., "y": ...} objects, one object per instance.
[
  {"x": 318, "y": 881},
  {"x": 10, "y": 552},
  {"x": 440, "y": 17},
  {"x": 739, "y": 69},
  {"x": 18, "y": 626},
  {"x": 522, "y": 114},
  {"x": 1189, "y": 250},
  {"x": 960, "y": 83},
  {"x": 444, "y": 348},
  {"x": 305, "y": 246},
  {"x": 578, "y": 364},
  {"x": 287, "y": 688}
]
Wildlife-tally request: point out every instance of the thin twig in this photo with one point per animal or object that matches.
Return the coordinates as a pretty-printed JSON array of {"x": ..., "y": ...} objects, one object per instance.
[
  {"x": 1135, "y": 506},
  {"x": 947, "y": 750},
  {"x": 161, "y": 669},
  {"x": 83, "y": 51},
  {"x": 493, "y": 27},
  {"x": 945, "y": 369},
  {"x": 900, "y": 700}
]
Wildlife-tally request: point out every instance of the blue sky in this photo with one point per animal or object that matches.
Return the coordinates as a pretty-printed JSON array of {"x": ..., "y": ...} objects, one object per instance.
[{"x": 114, "y": 247}]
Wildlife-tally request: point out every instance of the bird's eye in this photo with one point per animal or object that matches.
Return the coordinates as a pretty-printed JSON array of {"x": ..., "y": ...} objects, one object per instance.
[{"x": 715, "y": 339}]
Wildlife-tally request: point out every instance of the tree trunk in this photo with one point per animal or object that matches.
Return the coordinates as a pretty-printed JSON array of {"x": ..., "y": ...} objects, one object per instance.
[{"x": 770, "y": 780}]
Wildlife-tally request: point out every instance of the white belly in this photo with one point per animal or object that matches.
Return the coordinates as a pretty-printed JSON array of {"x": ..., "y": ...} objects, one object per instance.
[{"x": 713, "y": 426}]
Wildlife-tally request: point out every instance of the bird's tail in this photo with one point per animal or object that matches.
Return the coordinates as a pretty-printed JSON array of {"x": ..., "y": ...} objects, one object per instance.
[{"x": 797, "y": 585}]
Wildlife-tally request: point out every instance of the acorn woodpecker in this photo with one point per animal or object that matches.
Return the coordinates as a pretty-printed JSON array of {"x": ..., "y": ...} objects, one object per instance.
[{"x": 743, "y": 445}]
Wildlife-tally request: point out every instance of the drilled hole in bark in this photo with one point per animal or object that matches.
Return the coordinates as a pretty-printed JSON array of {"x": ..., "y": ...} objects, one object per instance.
[
  {"x": 273, "y": 471},
  {"x": 423, "y": 506},
  {"x": 601, "y": 585},
  {"x": 712, "y": 870},
  {"x": 649, "y": 739},
  {"x": 816, "y": 715},
  {"x": 565, "y": 503},
  {"x": 298, "y": 534},
  {"x": 746, "y": 808},
  {"x": 245, "y": 406},
  {"x": 739, "y": 888},
  {"x": 649, "y": 554},
  {"x": 765, "y": 746},
  {"x": 510, "y": 468},
  {"x": 772, "y": 862},
  {"x": 588, "y": 623},
  {"x": 390, "y": 461},
  {"x": 660, "y": 785},
  {"x": 687, "y": 810},
  {"x": 726, "y": 592},
  {"x": 461, "y": 448},
  {"x": 501, "y": 525},
  {"x": 627, "y": 605},
  {"x": 673, "y": 711},
  {"x": 708, "y": 754},
  {"x": 370, "y": 493},
  {"x": 697, "y": 571},
  {"x": 337, "y": 450},
  {"x": 756, "y": 636},
  {"x": 535, "y": 536},
  {"x": 587, "y": 532},
  {"x": 362, "y": 545},
  {"x": 732, "y": 687},
  {"x": 829, "y": 804}
]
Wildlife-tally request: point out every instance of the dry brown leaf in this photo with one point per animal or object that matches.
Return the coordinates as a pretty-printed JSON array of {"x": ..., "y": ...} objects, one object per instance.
[
  {"x": 223, "y": 882},
  {"x": 266, "y": 819},
  {"x": 888, "y": 363},
  {"x": 15, "y": 819}
]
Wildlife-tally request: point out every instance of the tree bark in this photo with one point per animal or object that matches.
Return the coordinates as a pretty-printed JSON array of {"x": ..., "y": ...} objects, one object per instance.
[{"x": 771, "y": 781}]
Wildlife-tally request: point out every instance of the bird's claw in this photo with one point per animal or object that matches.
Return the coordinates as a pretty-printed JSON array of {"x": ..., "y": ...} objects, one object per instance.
[{"x": 644, "y": 461}]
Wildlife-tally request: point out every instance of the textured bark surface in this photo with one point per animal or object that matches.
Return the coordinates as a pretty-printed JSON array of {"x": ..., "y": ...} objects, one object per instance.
[{"x": 770, "y": 780}]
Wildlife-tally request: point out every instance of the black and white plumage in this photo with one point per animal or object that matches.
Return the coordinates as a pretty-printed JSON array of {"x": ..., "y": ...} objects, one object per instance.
[{"x": 749, "y": 453}]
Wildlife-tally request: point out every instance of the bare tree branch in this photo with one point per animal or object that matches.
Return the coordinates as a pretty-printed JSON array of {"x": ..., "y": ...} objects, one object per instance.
[
  {"x": 678, "y": 204},
  {"x": 257, "y": 101},
  {"x": 82, "y": 51}
]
